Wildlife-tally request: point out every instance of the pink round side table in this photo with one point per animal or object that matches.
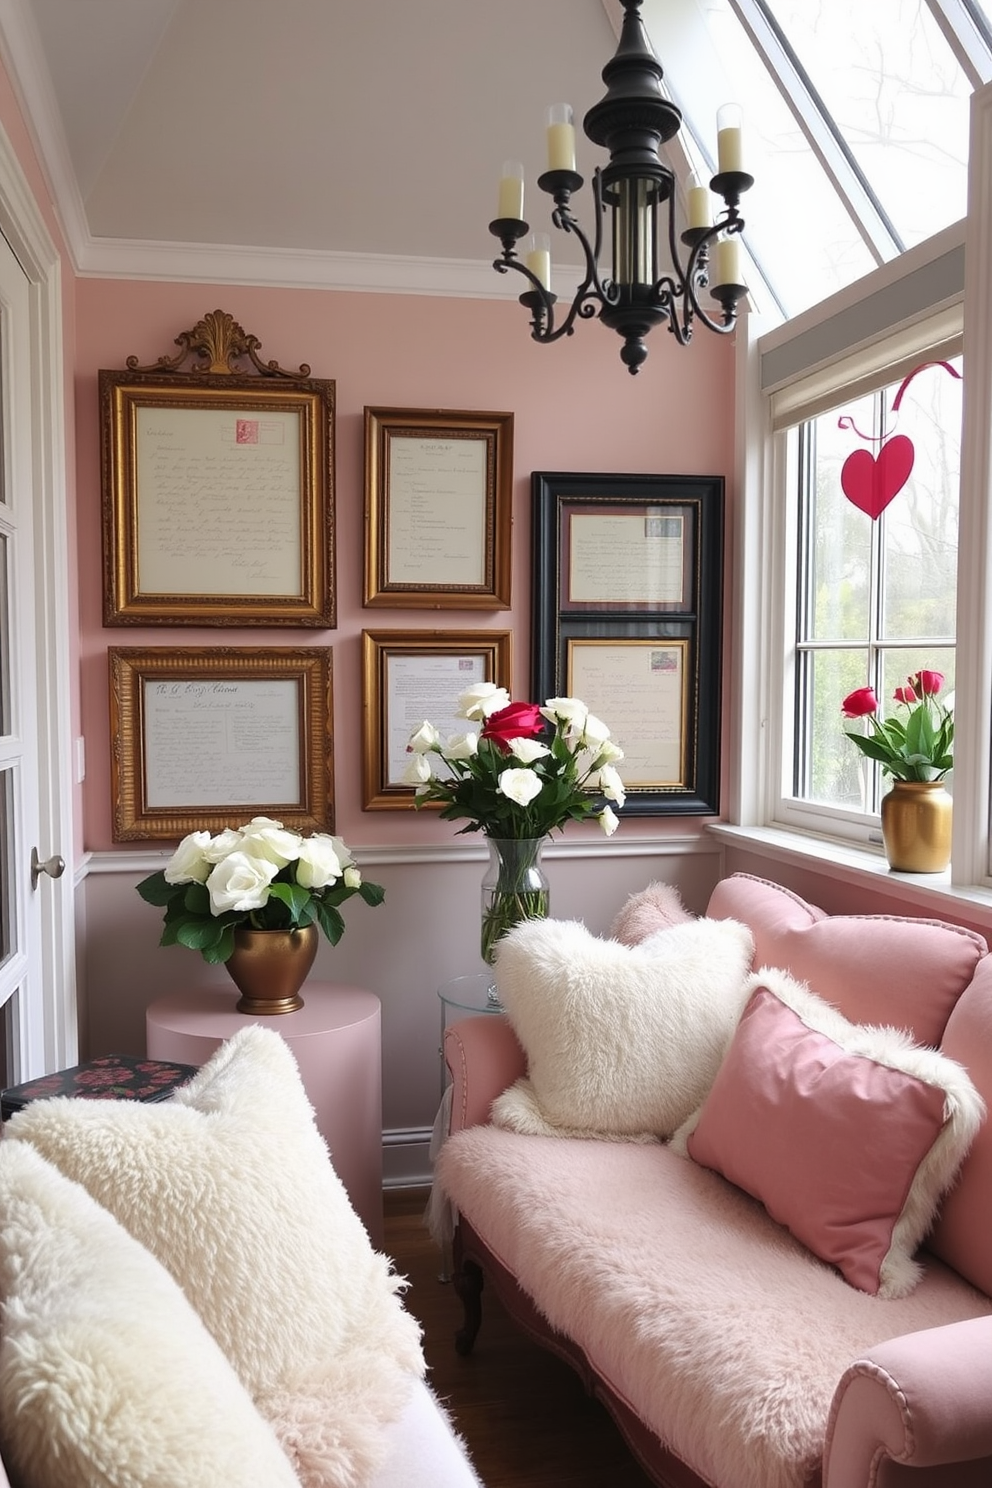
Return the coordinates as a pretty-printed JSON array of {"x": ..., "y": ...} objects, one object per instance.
[{"x": 336, "y": 1041}]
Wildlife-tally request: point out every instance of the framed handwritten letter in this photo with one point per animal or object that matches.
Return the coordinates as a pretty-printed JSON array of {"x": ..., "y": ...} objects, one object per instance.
[
  {"x": 410, "y": 676},
  {"x": 218, "y": 500},
  {"x": 628, "y": 614},
  {"x": 438, "y": 499},
  {"x": 207, "y": 739}
]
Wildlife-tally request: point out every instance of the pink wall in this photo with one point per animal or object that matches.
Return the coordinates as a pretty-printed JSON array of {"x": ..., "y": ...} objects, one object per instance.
[{"x": 575, "y": 409}]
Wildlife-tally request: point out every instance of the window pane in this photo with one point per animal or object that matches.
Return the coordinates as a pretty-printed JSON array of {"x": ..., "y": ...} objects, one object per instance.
[
  {"x": 894, "y": 87},
  {"x": 3, "y": 462},
  {"x": 921, "y": 525},
  {"x": 6, "y": 874},
  {"x": 838, "y": 774},
  {"x": 724, "y": 65},
  {"x": 899, "y": 666},
  {"x": 841, "y": 534},
  {"x": 5, "y": 633}
]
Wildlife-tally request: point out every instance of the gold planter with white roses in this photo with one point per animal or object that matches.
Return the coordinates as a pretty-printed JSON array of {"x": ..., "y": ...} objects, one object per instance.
[
  {"x": 269, "y": 967},
  {"x": 916, "y": 826}
]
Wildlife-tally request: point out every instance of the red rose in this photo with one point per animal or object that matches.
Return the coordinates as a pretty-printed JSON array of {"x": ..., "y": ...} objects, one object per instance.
[
  {"x": 926, "y": 684},
  {"x": 515, "y": 721},
  {"x": 859, "y": 703}
]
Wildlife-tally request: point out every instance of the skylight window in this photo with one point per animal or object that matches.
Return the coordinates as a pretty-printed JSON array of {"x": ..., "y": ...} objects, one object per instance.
[
  {"x": 889, "y": 80},
  {"x": 856, "y": 119}
]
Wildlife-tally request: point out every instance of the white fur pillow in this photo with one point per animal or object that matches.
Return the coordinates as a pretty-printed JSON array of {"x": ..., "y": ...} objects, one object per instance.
[
  {"x": 230, "y": 1185},
  {"x": 107, "y": 1375},
  {"x": 621, "y": 1041}
]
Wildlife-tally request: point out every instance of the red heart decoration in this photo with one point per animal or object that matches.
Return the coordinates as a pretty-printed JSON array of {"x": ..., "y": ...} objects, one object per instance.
[{"x": 870, "y": 484}]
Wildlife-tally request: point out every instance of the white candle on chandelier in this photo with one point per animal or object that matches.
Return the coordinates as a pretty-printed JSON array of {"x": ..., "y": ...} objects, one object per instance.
[
  {"x": 511, "y": 191},
  {"x": 561, "y": 137},
  {"x": 538, "y": 258},
  {"x": 698, "y": 201},
  {"x": 729, "y": 149},
  {"x": 727, "y": 262}
]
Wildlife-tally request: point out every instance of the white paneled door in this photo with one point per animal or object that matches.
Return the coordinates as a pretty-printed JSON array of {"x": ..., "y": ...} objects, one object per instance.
[
  {"x": 21, "y": 957},
  {"x": 20, "y": 922},
  {"x": 37, "y": 983}
]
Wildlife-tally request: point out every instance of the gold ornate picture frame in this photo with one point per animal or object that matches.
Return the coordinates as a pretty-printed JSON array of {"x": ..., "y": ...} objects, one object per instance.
[
  {"x": 203, "y": 739},
  {"x": 410, "y": 675},
  {"x": 217, "y": 488},
  {"x": 438, "y": 508}
]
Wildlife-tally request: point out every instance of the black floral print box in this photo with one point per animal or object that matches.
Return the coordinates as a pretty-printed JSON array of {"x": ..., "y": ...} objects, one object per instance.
[{"x": 114, "y": 1077}]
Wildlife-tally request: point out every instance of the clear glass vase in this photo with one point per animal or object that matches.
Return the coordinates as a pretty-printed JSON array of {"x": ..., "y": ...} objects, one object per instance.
[{"x": 514, "y": 888}]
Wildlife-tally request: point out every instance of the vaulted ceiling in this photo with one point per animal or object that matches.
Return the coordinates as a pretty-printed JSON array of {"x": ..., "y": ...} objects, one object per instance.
[
  {"x": 315, "y": 127},
  {"x": 358, "y": 143}
]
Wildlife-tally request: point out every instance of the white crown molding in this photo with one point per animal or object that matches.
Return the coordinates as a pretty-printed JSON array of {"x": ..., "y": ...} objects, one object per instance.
[{"x": 219, "y": 263}]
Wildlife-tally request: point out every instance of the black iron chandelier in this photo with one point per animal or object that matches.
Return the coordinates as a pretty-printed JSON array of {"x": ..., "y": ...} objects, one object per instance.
[{"x": 632, "y": 121}]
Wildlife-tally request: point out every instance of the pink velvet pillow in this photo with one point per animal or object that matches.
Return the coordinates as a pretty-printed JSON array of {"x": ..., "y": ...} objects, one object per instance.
[
  {"x": 848, "y": 1135},
  {"x": 927, "y": 963}
]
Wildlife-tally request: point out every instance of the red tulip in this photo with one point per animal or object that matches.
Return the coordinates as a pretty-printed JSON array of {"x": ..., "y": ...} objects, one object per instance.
[
  {"x": 926, "y": 684},
  {"x": 860, "y": 703},
  {"x": 905, "y": 695}
]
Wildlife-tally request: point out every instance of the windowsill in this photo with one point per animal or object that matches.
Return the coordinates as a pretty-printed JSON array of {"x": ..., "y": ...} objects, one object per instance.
[{"x": 929, "y": 892}]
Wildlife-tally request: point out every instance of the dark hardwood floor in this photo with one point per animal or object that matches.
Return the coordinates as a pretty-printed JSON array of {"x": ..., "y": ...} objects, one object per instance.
[{"x": 523, "y": 1413}]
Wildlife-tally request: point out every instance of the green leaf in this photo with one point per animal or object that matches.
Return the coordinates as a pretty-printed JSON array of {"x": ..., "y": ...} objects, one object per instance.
[
  {"x": 372, "y": 893},
  {"x": 155, "y": 889},
  {"x": 330, "y": 921},
  {"x": 199, "y": 936},
  {"x": 874, "y": 747},
  {"x": 221, "y": 950},
  {"x": 293, "y": 896},
  {"x": 197, "y": 899}
]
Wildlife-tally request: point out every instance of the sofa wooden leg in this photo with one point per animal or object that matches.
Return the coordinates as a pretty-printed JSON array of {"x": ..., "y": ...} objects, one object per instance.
[{"x": 468, "y": 1280}]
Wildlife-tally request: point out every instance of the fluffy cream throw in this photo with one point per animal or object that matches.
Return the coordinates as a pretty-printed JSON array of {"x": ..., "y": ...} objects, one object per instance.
[{"x": 725, "y": 1335}]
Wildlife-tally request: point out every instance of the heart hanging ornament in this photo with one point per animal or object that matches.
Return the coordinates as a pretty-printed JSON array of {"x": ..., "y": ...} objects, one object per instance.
[{"x": 871, "y": 481}]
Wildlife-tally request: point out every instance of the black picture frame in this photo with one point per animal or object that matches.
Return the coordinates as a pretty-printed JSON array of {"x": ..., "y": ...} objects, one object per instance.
[{"x": 633, "y": 564}]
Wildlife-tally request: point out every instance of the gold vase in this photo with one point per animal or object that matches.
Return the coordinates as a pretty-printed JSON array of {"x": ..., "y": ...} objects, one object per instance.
[
  {"x": 269, "y": 967},
  {"x": 916, "y": 826}
]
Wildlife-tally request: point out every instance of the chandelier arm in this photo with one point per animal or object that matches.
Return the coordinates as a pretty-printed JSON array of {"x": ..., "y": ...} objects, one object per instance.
[
  {"x": 537, "y": 299},
  {"x": 591, "y": 286},
  {"x": 669, "y": 291},
  {"x": 696, "y": 273}
]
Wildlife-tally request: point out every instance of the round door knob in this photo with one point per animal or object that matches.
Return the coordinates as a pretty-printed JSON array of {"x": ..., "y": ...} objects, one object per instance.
[{"x": 53, "y": 866}]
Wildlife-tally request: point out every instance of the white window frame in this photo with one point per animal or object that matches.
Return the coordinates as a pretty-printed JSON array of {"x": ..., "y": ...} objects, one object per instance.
[{"x": 796, "y": 370}]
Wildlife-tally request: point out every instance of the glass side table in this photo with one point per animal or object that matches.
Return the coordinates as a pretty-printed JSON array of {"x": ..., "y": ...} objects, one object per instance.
[{"x": 476, "y": 993}]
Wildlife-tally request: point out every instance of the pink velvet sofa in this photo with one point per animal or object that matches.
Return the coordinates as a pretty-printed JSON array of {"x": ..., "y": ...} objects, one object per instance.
[{"x": 726, "y": 1351}]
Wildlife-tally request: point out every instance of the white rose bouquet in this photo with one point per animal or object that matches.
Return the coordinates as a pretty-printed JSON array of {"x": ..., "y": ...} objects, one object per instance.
[
  {"x": 520, "y": 769},
  {"x": 261, "y": 876},
  {"x": 517, "y": 773}
]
